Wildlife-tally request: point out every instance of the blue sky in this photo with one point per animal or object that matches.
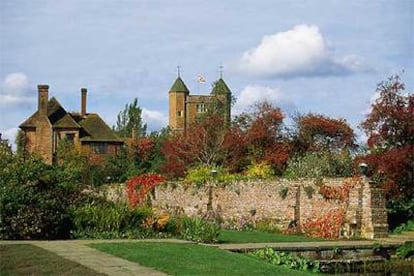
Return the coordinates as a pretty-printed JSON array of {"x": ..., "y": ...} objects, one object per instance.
[{"x": 307, "y": 56}]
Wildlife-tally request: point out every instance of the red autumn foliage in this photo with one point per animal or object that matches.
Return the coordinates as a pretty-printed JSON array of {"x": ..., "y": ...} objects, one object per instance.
[
  {"x": 236, "y": 155},
  {"x": 318, "y": 132},
  {"x": 204, "y": 144},
  {"x": 264, "y": 138},
  {"x": 146, "y": 148},
  {"x": 278, "y": 155},
  {"x": 138, "y": 187},
  {"x": 391, "y": 120},
  {"x": 394, "y": 168},
  {"x": 327, "y": 226},
  {"x": 390, "y": 130},
  {"x": 340, "y": 193},
  {"x": 176, "y": 158}
]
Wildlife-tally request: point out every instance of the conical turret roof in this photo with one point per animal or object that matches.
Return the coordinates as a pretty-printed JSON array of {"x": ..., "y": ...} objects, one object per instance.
[
  {"x": 220, "y": 87},
  {"x": 179, "y": 86}
]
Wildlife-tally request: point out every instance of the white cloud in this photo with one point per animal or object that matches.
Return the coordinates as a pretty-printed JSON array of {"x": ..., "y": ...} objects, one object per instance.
[
  {"x": 155, "y": 120},
  {"x": 15, "y": 83},
  {"x": 252, "y": 94},
  {"x": 301, "y": 51},
  {"x": 15, "y": 90}
]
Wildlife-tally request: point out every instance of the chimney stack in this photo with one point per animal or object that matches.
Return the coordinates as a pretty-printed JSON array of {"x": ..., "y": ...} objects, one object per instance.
[
  {"x": 84, "y": 91},
  {"x": 43, "y": 98}
]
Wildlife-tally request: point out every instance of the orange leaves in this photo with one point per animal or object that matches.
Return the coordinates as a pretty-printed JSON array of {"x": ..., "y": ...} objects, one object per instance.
[
  {"x": 391, "y": 117},
  {"x": 394, "y": 168},
  {"x": 319, "y": 132},
  {"x": 138, "y": 187},
  {"x": 340, "y": 193},
  {"x": 327, "y": 226}
]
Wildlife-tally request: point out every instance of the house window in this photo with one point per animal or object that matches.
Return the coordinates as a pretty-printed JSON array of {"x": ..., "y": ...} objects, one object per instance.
[
  {"x": 201, "y": 108},
  {"x": 70, "y": 137},
  {"x": 99, "y": 148}
]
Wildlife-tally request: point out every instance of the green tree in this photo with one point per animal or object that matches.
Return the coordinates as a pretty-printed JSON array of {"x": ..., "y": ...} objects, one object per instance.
[
  {"x": 20, "y": 142},
  {"x": 130, "y": 119}
]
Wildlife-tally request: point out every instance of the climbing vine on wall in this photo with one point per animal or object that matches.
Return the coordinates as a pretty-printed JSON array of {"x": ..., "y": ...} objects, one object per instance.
[
  {"x": 327, "y": 226},
  {"x": 138, "y": 187},
  {"x": 339, "y": 193}
]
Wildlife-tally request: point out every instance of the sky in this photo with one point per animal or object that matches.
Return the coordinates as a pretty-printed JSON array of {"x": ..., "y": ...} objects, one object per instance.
[{"x": 319, "y": 56}]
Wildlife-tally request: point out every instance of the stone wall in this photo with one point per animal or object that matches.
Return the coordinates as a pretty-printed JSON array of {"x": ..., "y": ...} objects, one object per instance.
[{"x": 281, "y": 201}]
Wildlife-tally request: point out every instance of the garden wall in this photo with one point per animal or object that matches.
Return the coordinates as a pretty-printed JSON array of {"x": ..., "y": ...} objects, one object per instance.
[{"x": 283, "y": 201}]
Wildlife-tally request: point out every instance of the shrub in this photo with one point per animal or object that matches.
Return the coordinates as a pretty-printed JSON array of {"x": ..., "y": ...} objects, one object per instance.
[
  {"x": 199, "y": 230},
  {"x": 408, "y": 226},
  {"x": 238, "y": 224},
  {"x": 109, "y": 220},
  {"x": 268, "y": 225},
  {"x": 202, "y": 175},
  {"x": 260, "y": 170},
  {"x": 318, "y": 165},
  {"x": 286, "y": 259},
  {"x": 34, "y": 199},
  {"x": 406, "y": 250}
]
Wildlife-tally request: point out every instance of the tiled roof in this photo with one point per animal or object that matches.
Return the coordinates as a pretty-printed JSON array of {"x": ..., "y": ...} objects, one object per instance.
[
  {"x": 179, "y": 86},
  {"x": 66, "y": 122},
  {"x": 96, "y": 130},
  {"x": 93, "y": 128}
]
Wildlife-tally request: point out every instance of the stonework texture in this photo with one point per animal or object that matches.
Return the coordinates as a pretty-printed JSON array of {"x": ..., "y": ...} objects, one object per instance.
[{"x": 282, "y": 201}]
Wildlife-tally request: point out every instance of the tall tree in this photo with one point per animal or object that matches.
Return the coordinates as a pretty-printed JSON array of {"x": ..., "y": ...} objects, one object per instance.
[
  {"x": 390, "y": 130},
  {"x": 129, "y": 120},
  {"x": 259, "y": 136},
  {"x": 390, "y": 124},
  {"x": 317, "y": 132}
]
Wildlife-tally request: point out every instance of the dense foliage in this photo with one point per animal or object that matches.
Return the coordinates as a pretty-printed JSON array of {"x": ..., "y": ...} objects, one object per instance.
[
  {"x": 390, "y": 130},
  {"x": 139, "y": 187},
  {"x": 129, "y": 120},
  {"x": 285, "y": 259},
  {"x": 34, "y": 200}
]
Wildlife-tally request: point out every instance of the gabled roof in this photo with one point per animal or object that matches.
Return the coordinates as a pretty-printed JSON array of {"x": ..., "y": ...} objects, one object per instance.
[
  {"x": 179, "y": 86},
  {"x": 220, "y": 87},
  {"x": 56, "y": 114},
  {"x": 66, "y": 122},
  {"x": 94, "y": 129}
]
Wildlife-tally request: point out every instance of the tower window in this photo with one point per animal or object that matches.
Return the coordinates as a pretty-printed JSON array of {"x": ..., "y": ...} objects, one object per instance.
[
  {"x": 180, "y": 113},
  {"x": 201, "y": 108}
]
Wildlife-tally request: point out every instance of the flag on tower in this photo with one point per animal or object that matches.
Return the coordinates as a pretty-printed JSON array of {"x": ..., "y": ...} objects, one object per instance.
[{"x": 201, "y": 78}]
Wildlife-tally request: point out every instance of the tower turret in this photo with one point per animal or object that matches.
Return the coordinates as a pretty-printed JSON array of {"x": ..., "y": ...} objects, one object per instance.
[{"x": 177, "y": 105}]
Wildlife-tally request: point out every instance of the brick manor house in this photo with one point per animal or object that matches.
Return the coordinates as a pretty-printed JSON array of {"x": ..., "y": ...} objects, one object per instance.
[
  {"x": 51, "y": 123},
  {"x": 184, "y": 109}
]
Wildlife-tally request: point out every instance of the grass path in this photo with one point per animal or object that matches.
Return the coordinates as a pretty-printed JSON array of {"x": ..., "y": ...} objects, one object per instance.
[
  {"x": 26, "y": 259},
  {"x": 192, "y": 259}
]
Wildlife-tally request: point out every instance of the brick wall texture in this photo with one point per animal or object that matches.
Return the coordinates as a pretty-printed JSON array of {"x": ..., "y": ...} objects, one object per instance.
[{"x": 282, "y": 201}]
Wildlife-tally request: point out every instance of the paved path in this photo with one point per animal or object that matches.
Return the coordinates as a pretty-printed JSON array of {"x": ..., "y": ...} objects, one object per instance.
[
  {"x": 78, "y": 251},
  {"x": 391, "y": 240}
]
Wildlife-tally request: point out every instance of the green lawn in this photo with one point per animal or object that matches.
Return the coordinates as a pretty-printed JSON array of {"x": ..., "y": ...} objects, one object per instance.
[
  {"x": 192, "y": 259},
  {"x": 25, "y": 259},
  {"x": 229, "y": 236}
]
